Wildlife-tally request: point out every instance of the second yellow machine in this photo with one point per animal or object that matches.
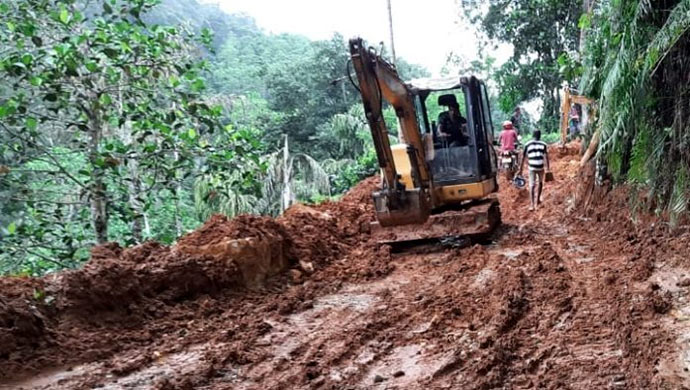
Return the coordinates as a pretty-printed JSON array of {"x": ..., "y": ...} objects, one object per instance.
[{"x": 440, "y": 180}]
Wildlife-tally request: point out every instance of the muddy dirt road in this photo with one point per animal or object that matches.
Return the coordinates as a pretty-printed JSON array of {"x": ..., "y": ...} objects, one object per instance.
[{"x": 560, "y": 299}]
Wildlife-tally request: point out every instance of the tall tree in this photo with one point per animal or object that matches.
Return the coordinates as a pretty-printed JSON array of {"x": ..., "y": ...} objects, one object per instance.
[
  {"x": 541, "y": 32},
  {"x": 108, "y": 108}
]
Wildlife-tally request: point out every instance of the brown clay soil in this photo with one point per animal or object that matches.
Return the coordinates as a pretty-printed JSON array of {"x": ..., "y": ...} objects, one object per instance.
[{"x": 562, "y": 298}]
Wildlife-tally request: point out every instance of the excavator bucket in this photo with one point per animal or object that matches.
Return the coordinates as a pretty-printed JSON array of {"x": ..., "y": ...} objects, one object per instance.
[
  {"x": 413, "y": 209},
  {"x": 475, "y": 221}
]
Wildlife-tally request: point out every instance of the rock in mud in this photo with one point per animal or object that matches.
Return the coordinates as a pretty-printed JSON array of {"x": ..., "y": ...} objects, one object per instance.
[
  {"x": 660, "y": 301},
  {"x": 379, "y": 379},
  {"x": 306, "y": 266},
  {"x": 685, "y": 282},
  {"x": 296, "y": 276}
]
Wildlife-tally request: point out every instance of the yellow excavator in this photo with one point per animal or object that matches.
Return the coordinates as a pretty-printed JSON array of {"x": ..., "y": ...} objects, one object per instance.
[
  {"x": 434, "y": 185},
  {"x": 568, "y": 100}
]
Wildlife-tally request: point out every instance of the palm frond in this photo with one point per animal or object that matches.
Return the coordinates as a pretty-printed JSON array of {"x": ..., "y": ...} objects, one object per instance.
[
  {"x": 211, "y": 196},
  {"x": 291, "y": 177},
  {"x": 626, "y": 45},
  {"x": 333, "y": 167},
  {"x": 678, "y": 204},
  {"x": 677, "y": 24},
  {"x": 311, "y": 174}
]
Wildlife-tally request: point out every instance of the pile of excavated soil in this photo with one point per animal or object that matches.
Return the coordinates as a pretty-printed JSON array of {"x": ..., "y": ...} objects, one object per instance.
[
  {"x": 220, "y": 227},
  {"x": 116, "y": 288},
  {"x": 121, "y": 279},
  {"x": 361, "y": 193},
  {"x": 69, "y": 315},
  {"x": 22, "y": 321}
]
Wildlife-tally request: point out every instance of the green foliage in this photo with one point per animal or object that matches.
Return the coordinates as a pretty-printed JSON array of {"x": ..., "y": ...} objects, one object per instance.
[
  {"x": 549, "y": 138},
  {"x": 354, "y": 157},
  {"x": 105, "y": 122},
  {"x": 544, "y": 36},
  {"x": 640, "y": 158},
  {"x": 128, "y": 120},
  {"x": 303, "y": 83},
  {"x": 213, "y": 196},
  {"x": 636, "y": 62},
  {"x": 211, "y": 25},
  {"x": 678, "y": 205},
  {"x": 246, "y": 59},
  {"x": 569, "y": 67},
  {"x": 347, "y": 173}
]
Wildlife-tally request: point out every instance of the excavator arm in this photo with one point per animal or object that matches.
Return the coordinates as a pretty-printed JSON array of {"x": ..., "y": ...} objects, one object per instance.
[
  {"x": 379, "y": 82},
  {"x": 372, "y": 98}
]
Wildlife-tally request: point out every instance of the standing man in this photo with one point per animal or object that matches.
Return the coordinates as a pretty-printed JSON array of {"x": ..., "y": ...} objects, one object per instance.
[
  {"x": 537, "y": 156},
  {"x": 516, "y": 119}
]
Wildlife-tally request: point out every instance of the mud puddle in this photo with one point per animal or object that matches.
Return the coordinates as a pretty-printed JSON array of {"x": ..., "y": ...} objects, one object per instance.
[
  {"x": 99, "y": 374},
  {"x": 48, "y": 378}
]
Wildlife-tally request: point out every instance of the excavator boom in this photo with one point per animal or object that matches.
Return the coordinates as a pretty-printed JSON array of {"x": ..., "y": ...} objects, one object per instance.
[{"x": 378, "y": 81}]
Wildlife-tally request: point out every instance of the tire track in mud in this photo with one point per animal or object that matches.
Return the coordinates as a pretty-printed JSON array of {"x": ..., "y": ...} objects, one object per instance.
[
  {"x": 335, "y": 340},
  {"x": 478, "y": 318}
]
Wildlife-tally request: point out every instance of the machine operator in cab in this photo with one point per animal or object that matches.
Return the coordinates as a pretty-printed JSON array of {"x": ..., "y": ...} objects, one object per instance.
[{"x": 452, "y": 127}]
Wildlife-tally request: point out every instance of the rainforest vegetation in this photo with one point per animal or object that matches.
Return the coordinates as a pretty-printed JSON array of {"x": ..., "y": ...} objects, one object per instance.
[{"x": 132, "y": 120}]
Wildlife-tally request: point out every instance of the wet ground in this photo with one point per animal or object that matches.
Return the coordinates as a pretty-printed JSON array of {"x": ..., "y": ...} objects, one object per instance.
[{"x": 560, "y": 299}]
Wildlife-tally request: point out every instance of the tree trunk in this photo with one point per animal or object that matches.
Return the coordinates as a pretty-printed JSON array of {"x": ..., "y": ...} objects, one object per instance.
[
  {"x": 178, "y": 192},
  {"x": 286, "y": 195},
  {"x": 97, "y": 188},
  {"x": 147, "y": 226},
  {"x": 626, "y": 156},
  {"x": 136, "y": 204},
  {"x": 178, "y": 221},
  {"x": 135, "y": 194},
  {"x": 591, "y": 149},
  {"x": 586, "y": 4}
]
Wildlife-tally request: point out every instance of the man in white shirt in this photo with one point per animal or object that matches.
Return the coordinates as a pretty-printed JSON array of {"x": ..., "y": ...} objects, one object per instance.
[{"x": 537, "y": 155}]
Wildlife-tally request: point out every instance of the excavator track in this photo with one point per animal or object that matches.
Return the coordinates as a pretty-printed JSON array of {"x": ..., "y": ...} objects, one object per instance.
[{"x": 473, "y": 222}]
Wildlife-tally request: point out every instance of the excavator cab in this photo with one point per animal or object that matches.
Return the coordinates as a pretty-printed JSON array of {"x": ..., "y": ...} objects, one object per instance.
[
  {"x": 457, "y": 158},
  {"x": 462, "y": 168}
]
